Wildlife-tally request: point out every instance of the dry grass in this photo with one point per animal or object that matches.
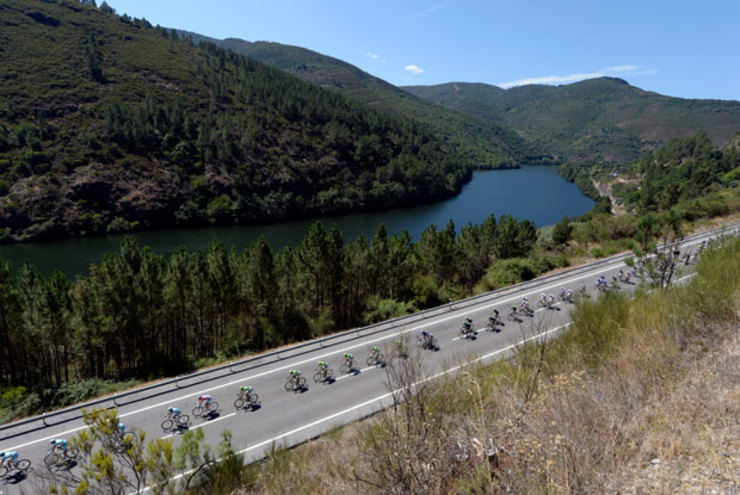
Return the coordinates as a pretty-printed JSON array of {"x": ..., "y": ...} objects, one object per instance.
[{"x": 641, "y": 397}]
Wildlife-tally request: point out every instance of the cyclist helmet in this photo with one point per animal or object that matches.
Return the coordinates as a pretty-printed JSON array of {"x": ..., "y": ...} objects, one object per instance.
[
  {"x": 52, "y": 442},
  {"x": 171, "y": 409}
]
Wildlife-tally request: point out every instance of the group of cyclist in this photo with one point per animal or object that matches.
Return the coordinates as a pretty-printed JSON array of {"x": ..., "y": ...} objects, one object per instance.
[{"x": 204, "y": 400}]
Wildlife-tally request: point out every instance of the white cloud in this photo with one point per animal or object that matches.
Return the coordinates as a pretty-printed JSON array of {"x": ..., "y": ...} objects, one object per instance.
[
  {"x": 609, "y": 71},
  {"x": 375, "y": 57},
  {"x": 415, "y": 69},
  {"x": 428, "y": 11}
]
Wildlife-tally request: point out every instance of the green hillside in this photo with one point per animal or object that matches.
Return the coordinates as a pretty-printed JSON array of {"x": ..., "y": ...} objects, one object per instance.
[
  {"x": 682, "y": 170},
  {"x": 110, "y": 124},
  {"x": 602, "y": 119},
  {"x": 487, "y": 144}
]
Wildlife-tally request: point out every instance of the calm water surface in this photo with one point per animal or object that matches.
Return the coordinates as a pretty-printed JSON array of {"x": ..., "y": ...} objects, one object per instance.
[{"x": 536, "y": 193}]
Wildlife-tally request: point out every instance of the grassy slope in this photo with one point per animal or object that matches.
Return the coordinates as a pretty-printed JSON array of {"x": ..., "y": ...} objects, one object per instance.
[
  {"x": 248, "y": 130},
  {"x": 488, "y": 144},
  {"x": 639, "y": 396},
  {"x": 601, "y": 119}
]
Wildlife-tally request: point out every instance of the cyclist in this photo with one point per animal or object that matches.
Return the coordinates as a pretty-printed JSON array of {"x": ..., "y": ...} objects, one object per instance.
[
  {"x": 294, "y": 375},
  {"x": 467, "y": 325},
  {"x": 58, "y": 444},
  {"x": 426, "y": 336},
  {"x": 374, "y": 350},
  {"x": 550, "y": 300},
  {"x": 8, "y": 458},
  {"x": 323, "y": 366},
  {"x": 121, "y": 429},
  {"x": 601, "y": 281},
  {"x": 525, "y": 304},
  {"x": 563, "y": 293},
  {"x": 569, "y": 295},
  {"x": 543, "y": 299},
  {"x": 513, "y": 312},
  {"x": 493, "y": 317},
  {"x": 207, "y": 399},
  {"x": 173, "y": 412},
  {"x": 245, "y": 392},
  {"x": 348, "y": 359}
]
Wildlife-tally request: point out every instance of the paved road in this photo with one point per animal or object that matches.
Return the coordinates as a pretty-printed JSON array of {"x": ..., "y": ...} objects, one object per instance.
[{"x": 287, "y": 418}]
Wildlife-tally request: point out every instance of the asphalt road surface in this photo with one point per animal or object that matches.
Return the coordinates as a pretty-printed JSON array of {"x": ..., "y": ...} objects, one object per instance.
[{"x": 286, "y": 418}]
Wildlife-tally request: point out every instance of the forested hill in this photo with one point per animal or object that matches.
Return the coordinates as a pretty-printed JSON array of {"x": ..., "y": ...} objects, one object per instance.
[
  {"x": 487, "y": 144},
  {"x": 602, "y": 119},
  {"x": 110, "y": 124},
  {"x": 684, "y": 169}
]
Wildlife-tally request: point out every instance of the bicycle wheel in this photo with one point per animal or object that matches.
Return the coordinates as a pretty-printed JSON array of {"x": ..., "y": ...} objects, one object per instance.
[
  {"x": 289, "y": 385},
  {"x": 371, "y": 360},
  {"x": 319, "y": 376},
  {"x": 3, "y": 471},
  {"x": 344, "y": 368},
  {"x": 301, "y": 382},
  {"x": 212, "y": 406},
  {"x": 253, "y": 398},
  {"x": 167, "y": 424},
  {"x": 72, "y": 453},
  {"x": 197, "y": 411},
  {"x": 433, "y": 343},
  {"x": 111, "y": 443},
  {"x": 238, "y": 403},
  {"x": 51, "y": 459},
  {"x": 183, "y": 420}
]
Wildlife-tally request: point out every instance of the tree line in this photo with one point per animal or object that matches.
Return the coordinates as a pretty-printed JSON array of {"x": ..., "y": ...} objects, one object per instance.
[{"x": 138, "y": 314}]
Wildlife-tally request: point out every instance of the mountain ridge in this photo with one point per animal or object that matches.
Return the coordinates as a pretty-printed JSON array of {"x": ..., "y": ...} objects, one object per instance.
[
  {"x": 602, "y": 119},
  {"x": 486, "y": 142}
]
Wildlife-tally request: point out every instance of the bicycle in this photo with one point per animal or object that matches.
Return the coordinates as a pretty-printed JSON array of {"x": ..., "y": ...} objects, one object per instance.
[
  {"x": 118, "y": 442},
  {"x": 346, "y": 367},
  {"x": 467, "y": 331},
  {"x": 374, "y": 359},
  {"x": 210, "y": 407},
  {"x": 429, "y": 343},
  {"x": 493, "y": 325},
  {"x": 178, "y": 421},
  {"x": 295, "y": 384},
  {"x": 67, "y": 456},
  {"x": 242, "y": 400},
  {"x": 324, "y": 375},
  {"x": 21, "y": 465}
]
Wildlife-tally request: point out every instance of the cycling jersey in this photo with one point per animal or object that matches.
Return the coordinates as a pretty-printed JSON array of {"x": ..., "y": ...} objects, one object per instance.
[{"x": 60, "y": 443}]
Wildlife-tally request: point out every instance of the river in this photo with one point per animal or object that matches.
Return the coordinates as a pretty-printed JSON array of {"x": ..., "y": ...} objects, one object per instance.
[{"x": 537, "y": 193}]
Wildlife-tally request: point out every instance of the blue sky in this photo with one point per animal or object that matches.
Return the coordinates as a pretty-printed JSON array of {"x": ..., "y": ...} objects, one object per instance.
[{"x": 689, "y": 49}]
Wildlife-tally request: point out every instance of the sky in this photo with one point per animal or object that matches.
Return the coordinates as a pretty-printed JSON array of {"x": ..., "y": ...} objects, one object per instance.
[{"x": 689, "y": 49}]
